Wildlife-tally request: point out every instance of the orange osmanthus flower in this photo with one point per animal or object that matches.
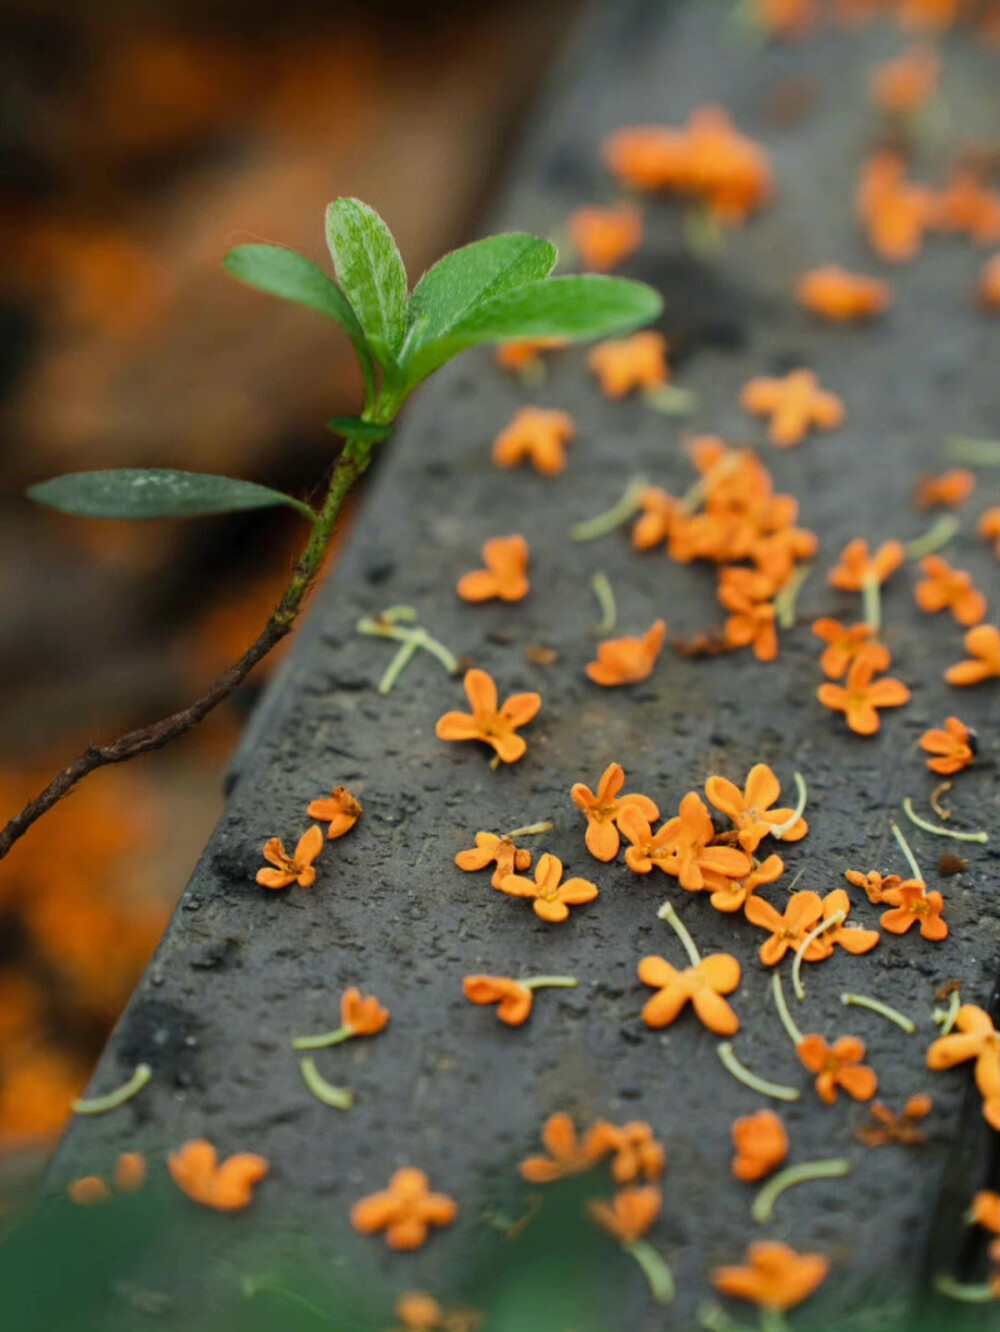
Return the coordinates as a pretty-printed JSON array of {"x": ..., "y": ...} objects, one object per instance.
[
  {"x": 526, "y": 352},
  {"x": 603, "y": 808},
  {"x": 761, "y": 1144},
  {"x": 786, "y": 19},
  {"x": 845, "y": 644},
  {"x": 954, "y": 748},
  {"x": 339, "y": 809},
  {"x": 875, "y": 885},
  {"x": 513, "y": 999},
  {"x": 886, "y": 1127},
  {"x": 803, "y": 912},
  {"x": 226, "y": 1186},
  {"x": 603, "y": 237},
  {"x": 88, "y": 1191},
  {"x": 775, "y": 1276},
  {"x": 796, "y": 404},
  {"x": 988, "y": 526},
  {"x": 506, "y": 559},
  {"x": 493, "y": 726},
  {"x": 638, "y": 362},
  {"x": 851, "y": 938},
  {"x": 836, "y": 1066},
  {"x": 704, "y": 985},
  {"x": 630, "y": 1214},
  {"x": 966, "y": 205},
  {"x": 130, "y": 1172},
  {"x": 989, "y": 284},
  {"x": 750, "y": 809},
  {"x": 893, "y": 211},
  {"x": 857, "y": 567},
  {"x": 364, "y": 1015},
  {"x": 905, "y": 84},
  {"x": 750, "y": 622},
  {"x": 551, "y": 896},
  {"x": 911, "y": 902},
  {"x": 659, "y": 509},
  {"x": 946, "y": 491},
  {"x": 297, "y": 868},
  {"x": 647, "y": 848},
  {"x": 862, "y": 696},
  {"x": 732, "y": 894},
  {"x": 945, "y": 588},
  {"x": 983, "y": 662},
  {"x": 691, "y": 856},
  {"x": 975, "y": 1038},
  {"x": 634, "y": 1150},
  {"x": 568, "y": 1154},
  {"x": 842, "y": 297},
  {"x": 491, "y": 849},
  {"x": 985, "y": 1211},
  {"x": 627, "y": 660},
  {"x": 538, "y": 435},
  {"x": 927, "y": 15},
  {"x": 406, "y": 1210}
]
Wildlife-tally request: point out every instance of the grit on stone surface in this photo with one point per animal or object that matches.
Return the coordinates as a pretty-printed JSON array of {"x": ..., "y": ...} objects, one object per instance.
[{"x": 447, "y": 1087}]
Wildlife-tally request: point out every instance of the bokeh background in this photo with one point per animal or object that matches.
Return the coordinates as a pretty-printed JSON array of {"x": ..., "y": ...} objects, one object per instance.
[{"x": 139, "y": 141}]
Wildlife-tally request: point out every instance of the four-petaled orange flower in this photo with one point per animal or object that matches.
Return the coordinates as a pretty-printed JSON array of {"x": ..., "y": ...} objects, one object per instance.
[
  {"x": 750, "y": 810},
  {"x": 659, "y": 509},
  {"x": 946, "y": 491},
  {"x": 733, "y": 894},
  {"x": 911, "y": 902},
  {"x": 894, "y": 212},
  {"x": 775, "y": 1277},
  {"x": 886, "y": 1127},
  {"x": 842, "y": 297},
  {"x": 339, "y": 809},
  {"x": 989, "y": 283},
  {"x": 761, "y": 1145},
  {"x": 647, "y": 848},
  {"x": 796, "y": 404},
  {"x": 955, "y": 747},
  {"x": 985, "y": 1211},
  {"x": 630, "y": 1214},
  {"x": 506, "y": 559},
  {"x": 966, "y": 205},
  {"x": 988, "y": 526},
  {"x": 858, "y": 568},
  {"x": 750, "y": 621},
  {"x": 513, "y": 1000},
  {"x": 527, "y": 352},
  {"x": 862, "y": 696},
  {"x": 568, "y": 1154},
  {"x": 363, "y": 1014},
  {"x": 975, "y": 1038},
  {"x": 875, "y": 885},
  {"x": 603, "y": 808},
  {"x": 491, "y": 849},
  {"x": 627, "y": 660},
  {"x": 494, "y": 727},
  {"x": 846, "y": 643},
  {"x": 634, "y": 1150},
  {"x": 691, "y": 856},
  {"x": 226, "y": 1186},
  {"x": 945, "y": 588},
  {"x": 903, "y": 85},
  {"x": 704, "y": 985},
  {"x": 851, "y": 938},
  {"x": 836, "y": 1066},
  {"x": 551, "y": 896},
  {"x": 297, "y": 868},
  {"x": 626, "y": 364},
  {"x": 802, "y": 914},
  {"x": 88, "y": 1191},
  {"x": 406, "y": 1210},
  {"x": 983, "y": 662},
  {"x": 538, "y": 435},
  {"x": 603, "y": 237}
]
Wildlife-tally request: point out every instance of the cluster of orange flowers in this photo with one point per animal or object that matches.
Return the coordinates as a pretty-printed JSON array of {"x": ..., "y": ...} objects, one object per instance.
[
  {"x": 896, "y": 214},
  {"x": 340, "y": 811},
  {"x": 791, "y": 20}
]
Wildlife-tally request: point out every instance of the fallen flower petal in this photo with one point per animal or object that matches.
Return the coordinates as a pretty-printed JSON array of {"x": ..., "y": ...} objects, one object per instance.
[
  {"x": 486, "y": 723},
  {"x": 845, "y": 644},
  {"x": 948, "y": 490},
  {"x": 761, "y": 1144},
  {"x": 406, "y": 1210},
  {"x": 702, "y": 985},
  {"x": 551, "y": 896},
  {"x": 857, "y": 567},
  {"x": 297, "y": 868},
  {"x": 491, "y": 849},
  {"x": 775, "y": 1277},
  {"x": 983, "y": 663},
  {"x": 796, "y": 404},
  {"x": 602, "y": 810},
  {"x": 842, "y": 297},
  {"x": 862, "y": 697},
  {"x": 945, "y": 588},
  {"x": 751, "y": 810},
  {"x": 567, "y": 1153},
  {"x": 513, "y": 999},
  {"x": 626, "y": 364},
  {"x": 630, "y": 1214},
  {"x": 954, "y": 747},
  {"x": 506, "y": 559},
  {"x": 603, "y": 237},
  {"x": 627, "y": 660},
  {"x": 537, "y": 435},
  {"x": 340, "y": 810},
  {"x": 836, "y": 1066},
  {"x": 225, "y": 1186}
]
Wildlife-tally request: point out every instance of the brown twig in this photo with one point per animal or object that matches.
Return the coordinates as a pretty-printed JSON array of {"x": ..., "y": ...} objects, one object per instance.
[{"x": 353, "y": 461}]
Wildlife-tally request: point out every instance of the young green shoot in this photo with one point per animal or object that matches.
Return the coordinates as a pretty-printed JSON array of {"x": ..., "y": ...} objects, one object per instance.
[
  {"x": 785, "y": 601},
  {"x": 947, "y": 1017},
  {"x": 658, "y": 1274},
  {"x": 904, "y": 846},
  {"x": 935, "y": 538},
  {"x": 871, "y": 601}
]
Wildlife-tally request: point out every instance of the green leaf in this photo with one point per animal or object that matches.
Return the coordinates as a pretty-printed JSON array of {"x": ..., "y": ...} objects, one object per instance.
[
  {"x": 352, "y": 427},
  {"x": 568, "y": 307},
  {"x": 460, "y": 281},
  {"x": 285, "y": 273},
  {"x": 155, "y": 493},
  {"x": 371, "y": 273}
]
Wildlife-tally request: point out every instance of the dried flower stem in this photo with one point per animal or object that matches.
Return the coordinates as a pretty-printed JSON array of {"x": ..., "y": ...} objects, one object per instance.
[
  {"x": 341, "y": 1098},
  {"x": 876, "y": 1006},
  {"x": 837, "y": 918},
  {"x": 784, "y": 828},
  {"x": 611, "y": 519},
  {"x": 784, "y": 602},
  {"x": 763, "y": 1205},
  {"x": 787, "y": 1021},
  {"x": 938, "y": 831},
  {"x": 946, "y": 1017},
  {"x": 940, "y": 790},
  {"x": 667, "y": 913},
  {"x": 871, "y": 600},
  {"x": 658, "y": 1274},
  {"x": 936, "y": 536},
  {"x": 98, "y": 1105},
  {"x": 606, "y": 600},
  {"x": 751, "y": 1080},
  {"x": 904, "y": 846}
]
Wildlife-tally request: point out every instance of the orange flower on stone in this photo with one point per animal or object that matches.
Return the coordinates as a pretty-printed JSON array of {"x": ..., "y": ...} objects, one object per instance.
[
  {"x": 945, "y": 588},
  {"x": 761, "y": 1145},
  {"x": 635, "y": 1152},
  {"x": 627, "y": 660},
  {"x": 365, "y": 1016},
  {"x": 903, "y": 85},
  {"x": 732, "y": 894},
  {"x": 406, "y": 1210},
  {"x": 297, "y": 868},
  {"x": 751, "y": 809},
  {"x": 875, "y": 885},
  {"x": 603, "y": 237},
  {"x": 527, "y": 353},
  {"x": 339, "y": 809},
  {"x": 989, "y": 284},
  {"x": 775, "y": 1277},
  {"x": 130, "y": 1172},
  {"x": 893, "y": 212},
  {"x": 506, "y": 559},
  {"x": 659, "y": 509},
  {"x": 88, "y": 1191},
  {"x": 647, "y": 848},
  {"x": 988, "y": 527},
  {"x": 537, "y": 435},
  {"x": 796, "y": 404},
  {"x": 703, "y": 985},
  {"x": 955, "y": 747},
  {"x": 802, "y": 914},
  {"x": 603, "y": 808},
  {"x": 568, "y": 1154},
  {"x": 983, "y": 663},
  {"x": 491, "y": 849},
  {"x": 841, "y": 297},
  {"x": 857, "y": 567},
  {"x": 513, "y": 999},
  {"x": 691, "y": 856},
  {"x": 985, "y": 1211},
  {"x": 626, "y": 364},
  {"x": 946, "y": 491},
  {"x": 749, "y": 623},
  {"x": 862, "y": 696},
  {"x": 551, "y": 896},
  {"x": 836, "y": 1066},
  {"x": 493, "y": 726},
  {"x": 965, "y": 205},
  {"x": 975, "y": 1038},
  {"x": 851, "y": 938},
  {"x": 630, "y": 1214},
  {"x": 886, "y": 1127},
  {"x": 225, "y": 1186},
  {"x": 847, "y": 643},
  {"x": 911, "y": 902}
]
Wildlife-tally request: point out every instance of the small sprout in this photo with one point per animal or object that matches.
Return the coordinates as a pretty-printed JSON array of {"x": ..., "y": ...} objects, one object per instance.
[
  {"x": 389, "y": 624},
  {"x": 941, "y": 832},
  {"x": 606, "y": 601},
  {"x": 876, "y": 1005},
  {"x": 763, "y": 1205},
  {"x": 751, "y": 1080},
  {"x": 340, "y": 1098},
  {"x": 98, "y": 1105},
  {"x": 611, "y": 519}
]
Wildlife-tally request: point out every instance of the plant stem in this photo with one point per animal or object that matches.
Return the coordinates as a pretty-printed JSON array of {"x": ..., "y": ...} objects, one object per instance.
[
  {"x": 548, "y": 982},
  {"x": 751, "y": 1080},
  {"x": 787, "y": 1021},
  {"x": 605, "y": 523},
  {"x": 97, "y": 1105},
  {"x": 324, "y": 1040},
  {"x": 340, "y": 1098},
  {"x": 254, "y": 1285},
  {"x": 876, "y": 1006},
  {"x": 606, "y": 600},
  {"x": 941, "y": 832},
  {"x": 658, "y": 1274},
  {"x": 936, "y": 536},
  {"x": 763, "y": 1205},
  {"x": 786, "y": 827},
  {"x": 836, "y": 919},
  {"x": 871, "y": 595},
  {"x": 352, "y": 463},
  {"x": 667, "y": 913},
  {"x": 904, "y": 846},
  {"x": 946, "y": 1017}
]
